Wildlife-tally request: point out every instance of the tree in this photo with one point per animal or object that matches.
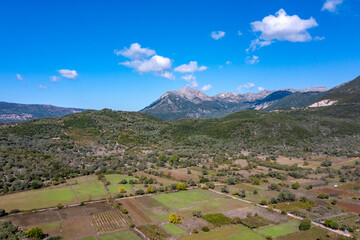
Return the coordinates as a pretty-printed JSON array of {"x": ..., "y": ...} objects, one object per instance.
[
  {"x": 295, "y": 185},
  {"x": 35, "y": 233},
  {"x": 173, "y": 218},
  {"x": 286, "y": 195},
  {"x": 122, "y": 190},
  {"x": 224, "y": 189},
  {"x": 305, "y": 225},
  {"x": 150, "y": 190},
  {"x": 2, "y": 212},
  {"x": 181, "y": 186},
  {"x": 192, "y": 183}
]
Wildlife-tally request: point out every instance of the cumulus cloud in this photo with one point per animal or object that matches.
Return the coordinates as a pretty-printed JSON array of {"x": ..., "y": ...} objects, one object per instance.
[
  {"x": 71, "y": 74},
  {"x": 228, "y": 62},
  {"x": 145, "y": 60},
  {"x": 157, "y": 64},
  {"x": 191, "y": 80},
  {"x": 167, "y": 75},
  {"x": 207, "y": 87},
  {"x": 282, "y": 27},
  {"x": 217, "y": 35},
  {"x": 261, "y": 89},
  {"x": 54, "y": 78},
  {"x": 20, "y": 78},
  {"x": 135, "y": 52},
  {"x": 239, "y": 33},
  {"x": 246, "y": 86},
  {"x": 331, "y": 5},
  {"x": 190, "y": 68},
  {"x": 252, "y": 60},
  {"x": 43, "y": 87}
]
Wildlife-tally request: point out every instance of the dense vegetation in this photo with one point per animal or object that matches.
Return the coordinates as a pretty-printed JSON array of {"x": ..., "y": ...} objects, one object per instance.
[{"x": 49, "y": 150}]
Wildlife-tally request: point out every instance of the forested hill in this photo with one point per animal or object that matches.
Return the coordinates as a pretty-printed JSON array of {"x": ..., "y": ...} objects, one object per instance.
[
  {"x": 51, "y": 149},
  {"x": 15, "y": 112}
]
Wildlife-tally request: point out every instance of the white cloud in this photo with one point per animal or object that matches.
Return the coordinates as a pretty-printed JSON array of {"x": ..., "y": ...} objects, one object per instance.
[
  {"x": 191, "y": 80},
  {"x": 261, "y": 89},
  {"x": 331, "y": 5},
  {"x": 72, "y": 74},
  {"x": 135, "y": 52},
  {"x": 190, "y": 68},
  {"x": 246, "y": 86},
  {"x": 217, "y": 35},
  {"x": 221, "y": 66},
  {"x": 282, "y": 27},
  {"x": 145, "y": 60},
  {"x": 156, "y": 64},
  {"x": 239, "y": 33},
  {"x": 252, "y": 60},
  {"x": 167, "y": 75},
  {"x": 20, "y": 78},
  {"x": 43, "y": 87},
  {"x": 258, "y": 44},
  {"x": 317, "y": 38},
  {"x": 228, "y": 62},
  {"x": 54, "y": 78},
  {"x": 207, "y": 87}
]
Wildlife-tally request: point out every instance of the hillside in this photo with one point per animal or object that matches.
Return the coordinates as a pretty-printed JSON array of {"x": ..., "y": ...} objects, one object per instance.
[
  {"x": 108, "y": 141},
  {"x": 14, "y": 112}
]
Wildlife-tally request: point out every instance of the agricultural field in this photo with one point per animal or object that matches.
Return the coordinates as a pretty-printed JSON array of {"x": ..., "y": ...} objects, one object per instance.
[
  {"x": 122, "y": 235},
  {"x": 280, "y": 229},
  {"x": 226, "y": 233}
]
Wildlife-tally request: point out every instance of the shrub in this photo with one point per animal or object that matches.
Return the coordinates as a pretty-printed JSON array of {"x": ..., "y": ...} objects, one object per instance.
[
  {"x": 263, "y": 202},
  {"x": 225, "y": 189},
  {"x": 268, "y": 237},
  {"x": 2, "y": 212},
  {"x": 139, "y": 192},
  {"x": 218, "y": 219},
  {"x": 295, "y": 186},
  {"x": 331, "y": 224},
  {"x": 59, "y": 206},
  {"x": 323, "y": 196},
  {"x": 124, "y": 211},
  {"x": 194, "y": 231},
  {"x": 181, "y": 186},
  {"x": 283, "y": 212},
  {"x": 205, "y": 229},
  {"x": 150, "y": 190},
  {"x": 173, "y": 218},
  {"x": 305, "y": 225},
  {"x": 35, "y": 233},
  {"x": 122, "y": 190},
  {"x": 286, "y": 195}
]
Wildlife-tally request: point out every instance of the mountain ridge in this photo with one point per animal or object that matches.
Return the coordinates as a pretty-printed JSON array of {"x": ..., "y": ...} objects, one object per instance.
[{"x": 190, "y": 102}]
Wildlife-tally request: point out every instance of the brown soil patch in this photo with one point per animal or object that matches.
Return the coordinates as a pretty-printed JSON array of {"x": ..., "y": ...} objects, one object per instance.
[
  {"x": 136, "y": 214},
  {"x": 197, "y": 223},
  {"x": 97, "y": 207},
  {"x": 335, "y": 191},
  {"x": 181, "y": 176},
  {"x": 77, "y": 228},
  {"x": 350, "y": 207},
  {"x": 30, "y": 219},
  {"x": 242, "y": 213}
]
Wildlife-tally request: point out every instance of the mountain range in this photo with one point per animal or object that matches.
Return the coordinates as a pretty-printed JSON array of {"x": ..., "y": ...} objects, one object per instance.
[
  {"x": 192, "y": 103},
  {"x": 15, "y": 112}
]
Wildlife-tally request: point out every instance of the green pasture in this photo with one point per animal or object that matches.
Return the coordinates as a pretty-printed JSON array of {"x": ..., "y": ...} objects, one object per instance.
[
  {"x": 42, "y": 198},
  {"x": 182, "y": 199},
  {"x": 122, "y": 235},
  {"x": 233, "y": 232},
  {"x": 174, "y": 229},
  {"x": 89, "y": 188},
  {"x": 113, "y": 189},
  {"x": 280, "y": 229},
  {"x": 116, "y": 178}
]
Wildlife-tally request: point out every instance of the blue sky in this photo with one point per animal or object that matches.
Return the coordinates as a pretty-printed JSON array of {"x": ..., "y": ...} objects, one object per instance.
[{"x": 124, "y": 54}]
